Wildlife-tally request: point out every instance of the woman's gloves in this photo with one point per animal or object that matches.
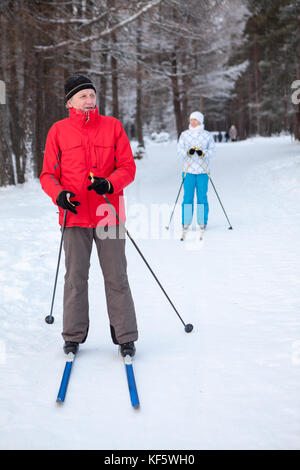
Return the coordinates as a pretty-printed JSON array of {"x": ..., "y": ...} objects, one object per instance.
[{"x": 191, "y": 152}]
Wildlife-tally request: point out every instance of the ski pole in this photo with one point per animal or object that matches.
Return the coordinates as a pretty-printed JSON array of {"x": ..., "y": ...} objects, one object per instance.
[
  {"x": 230, "y": 226},
  {"x": 187, "y": 327},
  {"x": 50, "y": 318},
  {"x": 168, "y": 226}
]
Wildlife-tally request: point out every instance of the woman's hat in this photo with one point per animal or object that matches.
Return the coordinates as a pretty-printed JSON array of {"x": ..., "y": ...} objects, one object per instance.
[{"x": 197, "y": 115}]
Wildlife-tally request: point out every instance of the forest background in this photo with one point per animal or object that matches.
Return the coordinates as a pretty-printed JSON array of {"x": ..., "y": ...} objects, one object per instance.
[{"x": 153, "y": 62}]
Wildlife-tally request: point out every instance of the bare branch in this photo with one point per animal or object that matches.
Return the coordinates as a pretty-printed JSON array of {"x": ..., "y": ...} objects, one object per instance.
[{"x": 106, "y": 32}]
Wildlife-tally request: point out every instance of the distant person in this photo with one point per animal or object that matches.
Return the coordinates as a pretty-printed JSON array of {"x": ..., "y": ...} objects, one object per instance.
[
  {"x": 220, "y": 136},
  {"x": 196, "y": 147},
  {"x": 233, "y": 133},
  {"x": 226, "y": 137}
]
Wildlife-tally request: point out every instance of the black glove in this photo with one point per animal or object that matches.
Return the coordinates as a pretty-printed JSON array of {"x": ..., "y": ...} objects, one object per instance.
[
  {"x": 63, "y": 201},
  {"x": 191, "y": 152},
  {"x": 200, "y": 153},
  {"x": 100, "y": 185}
]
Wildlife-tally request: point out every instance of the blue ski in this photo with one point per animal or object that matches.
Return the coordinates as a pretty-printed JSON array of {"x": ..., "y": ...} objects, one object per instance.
[
  {"x": 131, "y": 382},
  {"x": 65, "y": 378},
  {"x": 129, "y": 373}
]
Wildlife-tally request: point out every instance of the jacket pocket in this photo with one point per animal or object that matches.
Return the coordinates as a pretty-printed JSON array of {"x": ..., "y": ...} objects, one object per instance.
[
  {"x": 104, "y": 159},
  {"x": 73, "y": 159}
]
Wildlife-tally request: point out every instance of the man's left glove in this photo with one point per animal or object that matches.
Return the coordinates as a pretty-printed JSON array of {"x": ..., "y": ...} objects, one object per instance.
[{"x": 100, "y": 185}]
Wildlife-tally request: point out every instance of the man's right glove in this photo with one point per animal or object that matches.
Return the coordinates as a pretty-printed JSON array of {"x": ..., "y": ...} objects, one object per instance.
[{"x": 63, "y": 201}]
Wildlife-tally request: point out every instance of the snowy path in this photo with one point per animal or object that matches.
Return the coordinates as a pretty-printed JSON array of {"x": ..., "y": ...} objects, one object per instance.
[{"x": 233, "y": 383}]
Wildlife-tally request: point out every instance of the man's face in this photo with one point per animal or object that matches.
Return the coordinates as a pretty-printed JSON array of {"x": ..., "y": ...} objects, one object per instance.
[{"x": 84, "y": 100}]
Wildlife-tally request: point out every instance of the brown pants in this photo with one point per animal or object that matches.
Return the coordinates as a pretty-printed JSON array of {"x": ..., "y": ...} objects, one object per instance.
[{"x": 78, "y": 242}]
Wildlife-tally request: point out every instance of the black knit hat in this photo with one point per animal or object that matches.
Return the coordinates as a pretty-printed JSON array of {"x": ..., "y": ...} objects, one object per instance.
[{"x": 77, "y": 83}]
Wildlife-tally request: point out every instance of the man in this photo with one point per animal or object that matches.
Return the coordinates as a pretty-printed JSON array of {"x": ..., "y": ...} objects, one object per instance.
[
  {"x": 196, "y": 147},
  {"x": 88, "y": 157}
]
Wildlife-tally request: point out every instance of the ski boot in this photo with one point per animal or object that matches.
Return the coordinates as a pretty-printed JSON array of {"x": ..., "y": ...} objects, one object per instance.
[
  {"x": 202, "y": 228},
  {"x": 185, "y": 228},
  {"x": 71, "y": 347},
  {"x": 127, "y": 349}
]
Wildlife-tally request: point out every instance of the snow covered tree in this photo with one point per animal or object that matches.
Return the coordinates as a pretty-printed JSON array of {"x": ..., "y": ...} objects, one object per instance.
[
  {"x": 150, "y": 60},
  {"x": 263, "y": 93}
]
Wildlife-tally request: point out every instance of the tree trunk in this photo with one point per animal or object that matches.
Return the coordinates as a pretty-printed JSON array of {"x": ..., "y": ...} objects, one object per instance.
[
  {"x": 257, "y": 85},
  {"x": 297, "y": 123},
  {"x": 297, "y": 113},
  {"x": 103, "y": 84},
  {"x": 114, "y": 82},
  {"x": 138, "y": 116},
  {"x": 6, "y": 165},
  {"x": 6, "y": 162},
  {"x": 176, "y": 94}
]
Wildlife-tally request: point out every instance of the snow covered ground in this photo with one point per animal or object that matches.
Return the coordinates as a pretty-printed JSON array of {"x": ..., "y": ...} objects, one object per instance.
[{"x": 233, "y": 383}]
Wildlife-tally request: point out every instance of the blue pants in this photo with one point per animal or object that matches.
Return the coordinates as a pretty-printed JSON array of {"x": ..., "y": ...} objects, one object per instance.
[{"x": 200, "y": 184}]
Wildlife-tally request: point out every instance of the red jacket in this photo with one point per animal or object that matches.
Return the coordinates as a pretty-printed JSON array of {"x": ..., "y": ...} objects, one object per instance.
[{"x": 78, "y": 145}]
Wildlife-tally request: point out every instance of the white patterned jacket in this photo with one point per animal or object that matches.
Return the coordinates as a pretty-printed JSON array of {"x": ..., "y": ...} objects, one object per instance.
[{"x": 196, "y": 138}]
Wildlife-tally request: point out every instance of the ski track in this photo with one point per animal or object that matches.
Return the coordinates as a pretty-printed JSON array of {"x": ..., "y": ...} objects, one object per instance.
[{"x": 233, "y": 383}]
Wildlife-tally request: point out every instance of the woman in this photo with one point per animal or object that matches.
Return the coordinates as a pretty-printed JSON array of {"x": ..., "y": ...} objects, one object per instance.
[{"x": 196, "y": 147}]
